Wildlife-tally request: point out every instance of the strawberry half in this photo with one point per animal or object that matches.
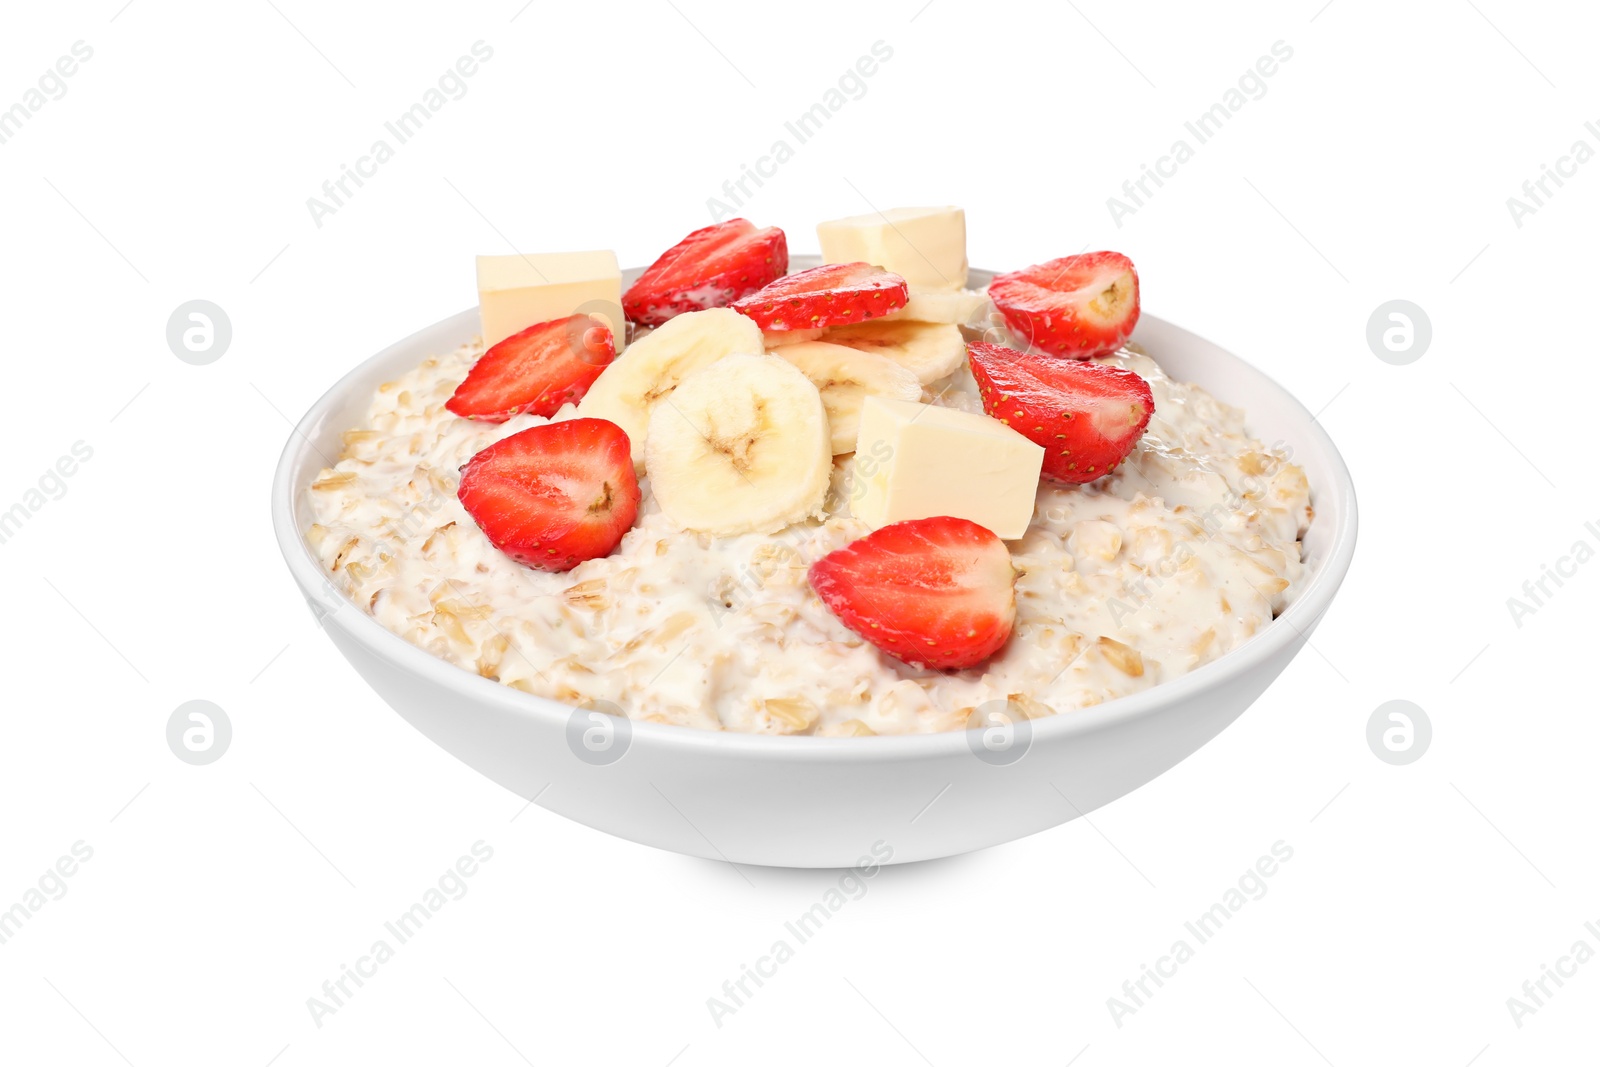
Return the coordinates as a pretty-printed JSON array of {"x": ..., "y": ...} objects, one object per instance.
[
  {"x": 554, "y": 495},
  {"x": 538, "y": 370},
  {"x": 1077, "y": 306},
  {"x": 835, "y": 294},
  {"x": 1088, "y": 416},
  {"x": 710, "y": 268},
  {"x": 936, "y": 592}
]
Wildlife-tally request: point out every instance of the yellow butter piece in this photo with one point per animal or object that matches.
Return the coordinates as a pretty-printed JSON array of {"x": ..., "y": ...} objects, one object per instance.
[
  {"x": 915, "y": 461},
  {"x": 927, "y": 246},
  {"x": 517, "y": 291}
]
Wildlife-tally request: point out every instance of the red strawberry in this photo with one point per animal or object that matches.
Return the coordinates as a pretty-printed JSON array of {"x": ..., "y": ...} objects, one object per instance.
[
  {"x": 543, "y": 367},
  {"x": 1078, "y": 306},
  {"x": 1087, "y": 415},
  {"x": 834, "y": 294},
  {"x": 710, "y": 268},
  {"x": 554, "y": 495},
  {"x": 936, "y": 592}
]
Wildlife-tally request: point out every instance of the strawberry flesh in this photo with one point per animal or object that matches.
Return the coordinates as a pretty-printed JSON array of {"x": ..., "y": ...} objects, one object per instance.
[
  {"x": 934, "y": 592},
  {"x": 1077, "y": 306},
  {"x": 538, "y": 370},
  {"x": 835, "y": 294},
  {"x": 555, "y": 495},
  {"x": 710, "y": 268},
  {"x": 1087, "y": 415}
]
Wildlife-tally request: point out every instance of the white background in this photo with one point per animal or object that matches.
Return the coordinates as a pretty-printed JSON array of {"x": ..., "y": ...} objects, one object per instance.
[{"x": 219, "y": 898}]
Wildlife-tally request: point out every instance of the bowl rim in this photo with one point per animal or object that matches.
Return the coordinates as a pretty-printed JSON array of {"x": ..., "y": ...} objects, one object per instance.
[{"x": 1294, "y": 623}]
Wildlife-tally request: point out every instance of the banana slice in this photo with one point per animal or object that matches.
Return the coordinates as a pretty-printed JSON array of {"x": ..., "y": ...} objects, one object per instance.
[
  {"x": 845, "y": 377},
  {"x": 740, "y": 447},
  {"x": 930, "y": 350},
  {"x": 957, "y": 308},
  {"x": 653, "y": 365},
  {"x": 779, "y": 338}
]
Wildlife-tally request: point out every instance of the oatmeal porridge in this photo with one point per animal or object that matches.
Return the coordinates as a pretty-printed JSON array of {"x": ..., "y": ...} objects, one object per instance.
[
  {"x": 853, "y": 500},
  {"x": 1179, "y": 556}
]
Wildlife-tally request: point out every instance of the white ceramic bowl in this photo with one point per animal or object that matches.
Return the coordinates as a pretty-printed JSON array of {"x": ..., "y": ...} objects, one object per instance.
[{"x": 823, "y": 802}]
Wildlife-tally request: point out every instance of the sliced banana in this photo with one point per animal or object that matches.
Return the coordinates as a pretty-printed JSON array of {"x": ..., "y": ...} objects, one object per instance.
[
  {"x": 930, "y": 350},
  {"x": 779, "y": 338},
  {"x": 653, "y": 365},
  {"x": 845, "y": 377},
  {"x": 958, "y": 308},
  {"x": 740, "y": 447}
]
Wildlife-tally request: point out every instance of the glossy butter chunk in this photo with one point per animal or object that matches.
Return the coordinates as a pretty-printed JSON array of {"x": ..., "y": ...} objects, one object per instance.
[
  {"x": 914, "y": 461},
  {"x": 516, "y": 291},
  {"x": 927, "y": 246}
]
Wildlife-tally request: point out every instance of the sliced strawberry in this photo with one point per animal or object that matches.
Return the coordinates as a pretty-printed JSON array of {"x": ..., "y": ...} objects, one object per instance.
[
  {"x": 1087, "y": 415},
  {"x": 554, "y": 495},
  {"x": 710, "y": 268},
  {"x": 936, "y": 592},
  {"x": 1078, "y": 306},
  {"x": 834, "y": 294},
  {"x": 543, "y": 367}
]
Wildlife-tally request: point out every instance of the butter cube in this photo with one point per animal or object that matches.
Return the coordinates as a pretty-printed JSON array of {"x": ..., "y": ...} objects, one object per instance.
[
  {"x": 915, "y": 461},
  {"x": 516, "y": 291},
  {"x": 927, "y": 246}
]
